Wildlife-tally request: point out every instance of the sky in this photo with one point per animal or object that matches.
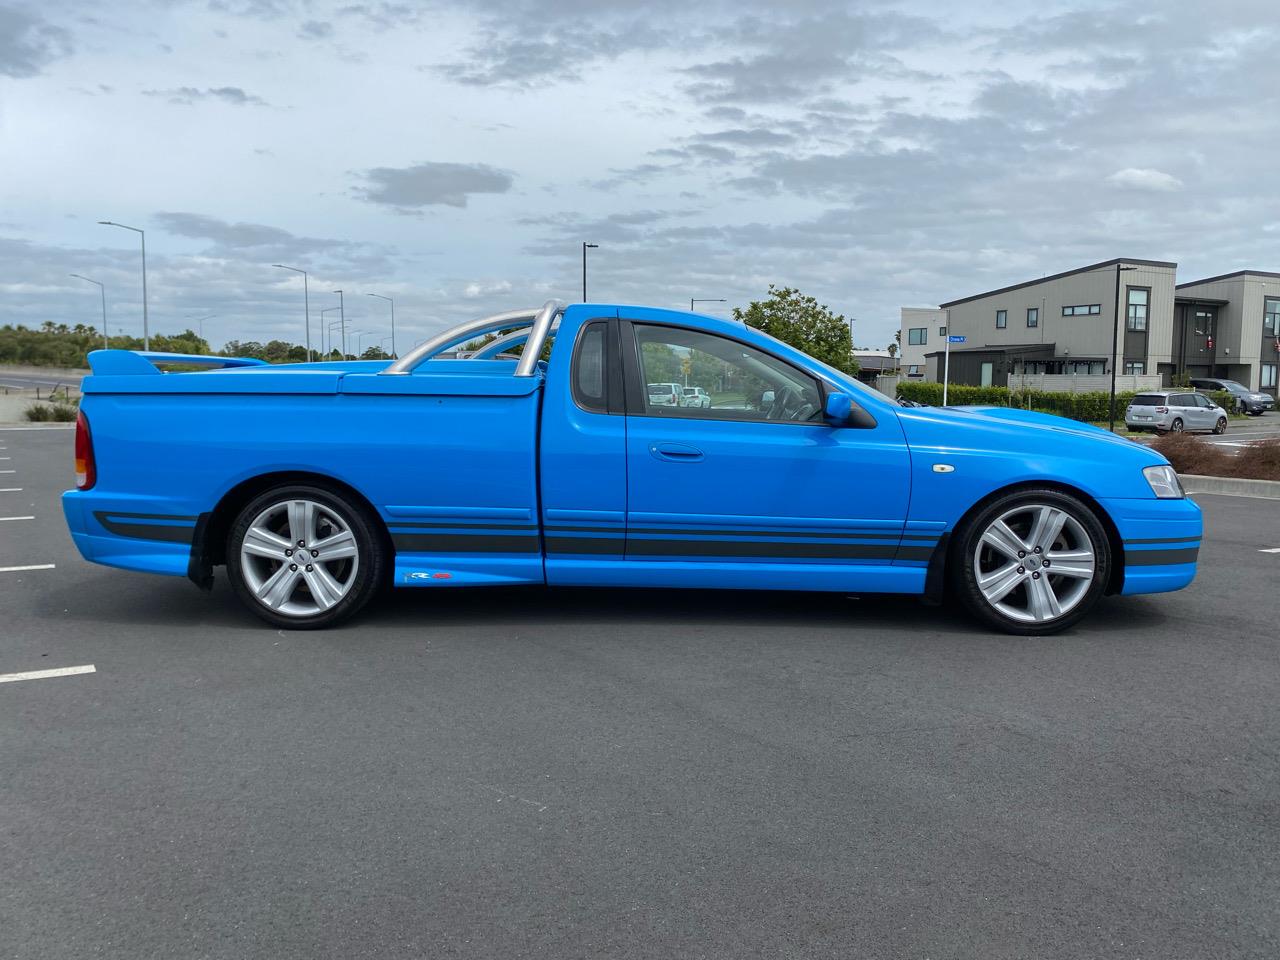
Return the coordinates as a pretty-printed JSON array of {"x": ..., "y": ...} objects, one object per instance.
[{"x": 455, "y": 155}]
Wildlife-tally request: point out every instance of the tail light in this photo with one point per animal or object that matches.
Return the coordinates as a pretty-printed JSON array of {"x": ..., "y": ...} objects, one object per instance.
[
  {"x": 86, "y": 469},
  {"x": 1162, "y": 409}
]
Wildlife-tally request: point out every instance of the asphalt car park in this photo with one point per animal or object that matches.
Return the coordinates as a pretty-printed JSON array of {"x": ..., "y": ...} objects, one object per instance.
[{"x": 630, "y": 774}]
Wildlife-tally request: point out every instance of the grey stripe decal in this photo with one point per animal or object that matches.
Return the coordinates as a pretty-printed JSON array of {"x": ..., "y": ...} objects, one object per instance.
[
  {"x": 1153, "y": 558},
  {"x": 1166, "y": 540},
  {"x": 593, "y": 545},
  {"x": 760, "y": 548},
  {"x": 464, "y": 543},
  {"x": 480, "y": 527},
  {"x": 163, "y": 532}
]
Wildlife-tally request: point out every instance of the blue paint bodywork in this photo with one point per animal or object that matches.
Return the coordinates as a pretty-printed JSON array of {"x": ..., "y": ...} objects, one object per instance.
[{"x": 497, "y": 479}]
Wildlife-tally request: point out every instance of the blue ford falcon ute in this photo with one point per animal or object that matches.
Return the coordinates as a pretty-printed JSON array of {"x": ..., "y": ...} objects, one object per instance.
[{"x": 318, "y": 483}]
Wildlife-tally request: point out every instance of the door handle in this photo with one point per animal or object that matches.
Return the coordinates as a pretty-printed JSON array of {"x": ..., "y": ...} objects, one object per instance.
[{"x": 675, "y": 452}]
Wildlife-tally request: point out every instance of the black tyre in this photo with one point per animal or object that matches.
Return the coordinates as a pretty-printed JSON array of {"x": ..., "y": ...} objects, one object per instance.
[
  {"x": 1221, "y": 426},
  {"x": 1032, "y": 562},
  {"x": 1176, "y": 426},
  {"x": 304, "y": 557}
]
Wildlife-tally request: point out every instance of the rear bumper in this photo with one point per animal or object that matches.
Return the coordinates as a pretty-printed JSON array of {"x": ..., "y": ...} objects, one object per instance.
[
  {"x": 150, "y": 543},
  {"x": 1161, "y": 542}
]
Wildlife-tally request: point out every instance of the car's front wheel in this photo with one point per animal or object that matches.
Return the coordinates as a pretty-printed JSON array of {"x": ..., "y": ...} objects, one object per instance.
[
  {"x": 1032, "y": 562},
  {"x": 304, "y": 557}
]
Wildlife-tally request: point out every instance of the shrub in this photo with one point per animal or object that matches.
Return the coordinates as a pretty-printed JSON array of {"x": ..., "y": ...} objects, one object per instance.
[
  {"x": 1258, "y": 461},
  {"x": 57, "y": 411},
  {"x": 1093, "y": 407}
]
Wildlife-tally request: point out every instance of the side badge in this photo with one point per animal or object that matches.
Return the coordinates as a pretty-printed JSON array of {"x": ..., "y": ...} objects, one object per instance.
[
  {"x": 943, "y": 468},
  {"x": 425, "y": 575}
]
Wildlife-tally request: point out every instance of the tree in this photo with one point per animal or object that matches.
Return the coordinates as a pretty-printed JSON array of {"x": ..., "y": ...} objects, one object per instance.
[{"x": 803, "y": 323}]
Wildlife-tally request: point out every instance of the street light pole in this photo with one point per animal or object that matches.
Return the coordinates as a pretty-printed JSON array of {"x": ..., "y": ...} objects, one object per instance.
[
  {"x": 325, "y": 327},
  {"x": 332, "y": 324},
  {"x": 102, "y": 290},
  {"x": 585, "y": 247},
  {"x": 1115, "y": 347},
  {"x": 146, "y": 329},
  {"x": 201, "y": 320},
  {"x": 306, "y": 304},
  {"x": 393, "y": 319},
  {"x": 384, "y": 340},
  {"x": 693, "y": 300},
  {"x": 342, "y": 314}
]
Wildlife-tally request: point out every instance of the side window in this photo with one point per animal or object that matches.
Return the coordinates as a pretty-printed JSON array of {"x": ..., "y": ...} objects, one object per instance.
[
  {"x": 1002, "y": 319},
  {"x": 589, "y": 390},
  {"x": 917, "y": 336},
  {"x": 739, "y": 381}
]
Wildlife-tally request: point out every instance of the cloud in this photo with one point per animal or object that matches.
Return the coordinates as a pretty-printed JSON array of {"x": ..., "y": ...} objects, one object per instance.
[
  {"x": 188, "y": 96},
  {"x": 28, "y": 43},
  {"x": 315, "y": 30},
  {"x": 431, "y": 184},
  {"x": 1144, "y": 178}
]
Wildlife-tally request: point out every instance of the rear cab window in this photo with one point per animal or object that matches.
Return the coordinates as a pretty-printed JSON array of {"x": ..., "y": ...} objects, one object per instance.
[{"x": 1148, "y": 400}]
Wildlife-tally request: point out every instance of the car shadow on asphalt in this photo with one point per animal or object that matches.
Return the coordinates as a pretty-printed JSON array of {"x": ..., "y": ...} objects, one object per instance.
[{"x": 147, "y": 602}]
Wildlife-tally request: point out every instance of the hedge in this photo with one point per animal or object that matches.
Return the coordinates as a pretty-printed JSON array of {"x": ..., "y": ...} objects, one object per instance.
[{"x": 1090, "y": 407}]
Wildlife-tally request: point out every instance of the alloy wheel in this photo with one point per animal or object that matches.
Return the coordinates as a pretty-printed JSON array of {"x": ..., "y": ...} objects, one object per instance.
[
  {"x": 1034, "y": 563},
  {"x": 299, "y": 557}
]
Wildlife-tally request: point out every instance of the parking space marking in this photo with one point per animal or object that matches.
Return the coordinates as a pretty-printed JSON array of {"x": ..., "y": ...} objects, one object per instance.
[
  {"x": 1270, "y": 550},
  {"x": 8, "y": 471},
  {"x": 45, "y": 674},
  {"x": 3, "y": 519},
  {"x": 29, "y": 566},
  {"x": 10, "y": 489}
]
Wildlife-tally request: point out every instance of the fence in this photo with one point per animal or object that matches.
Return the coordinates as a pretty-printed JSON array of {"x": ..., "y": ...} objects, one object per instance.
[{"x": 1083, "y": 383}]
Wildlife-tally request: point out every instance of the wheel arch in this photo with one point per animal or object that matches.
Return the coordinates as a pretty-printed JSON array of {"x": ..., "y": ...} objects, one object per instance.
[
  {"x": 940, "y": 564},
  {"x": 208, "y": 544}
]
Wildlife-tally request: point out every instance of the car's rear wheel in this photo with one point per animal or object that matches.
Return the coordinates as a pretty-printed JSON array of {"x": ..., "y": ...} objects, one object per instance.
[
  {"x": 1032, "y": 562},
  {"x": 1221, "y": 426},
  {"x": 304, "y": 557},
  {"x": 1176, "y": 426}
]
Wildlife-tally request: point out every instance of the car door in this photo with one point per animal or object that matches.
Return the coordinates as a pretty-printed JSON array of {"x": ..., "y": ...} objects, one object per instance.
[
  {"x": 758, "y": 479},
  {"x": 1184, "y": 408}
]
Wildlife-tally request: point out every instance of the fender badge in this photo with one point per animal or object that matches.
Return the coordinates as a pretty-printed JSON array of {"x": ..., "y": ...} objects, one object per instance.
[{"x": 943, "y": 468}]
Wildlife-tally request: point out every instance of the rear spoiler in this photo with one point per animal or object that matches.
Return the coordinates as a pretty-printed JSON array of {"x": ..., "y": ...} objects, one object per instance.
[{"x": 114, "y": 363}]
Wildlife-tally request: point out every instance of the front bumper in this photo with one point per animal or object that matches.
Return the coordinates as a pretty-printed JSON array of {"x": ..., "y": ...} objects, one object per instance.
[{"x": 1161, "y": 542}]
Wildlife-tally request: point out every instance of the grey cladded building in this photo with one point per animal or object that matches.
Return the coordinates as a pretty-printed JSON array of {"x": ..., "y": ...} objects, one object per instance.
[{"x": 1058, "y": 329}]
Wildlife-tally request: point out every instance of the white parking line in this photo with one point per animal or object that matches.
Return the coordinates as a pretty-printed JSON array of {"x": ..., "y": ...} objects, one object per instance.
[
  {"x": 1270, "y": 550},
  {"x": 30, "y": 566},
  {"x": 44, "y": 674},
  {"x": 8, "y": 471},
  {"x": 10, "y": 489},
  {"x": 3, "y": 519}
]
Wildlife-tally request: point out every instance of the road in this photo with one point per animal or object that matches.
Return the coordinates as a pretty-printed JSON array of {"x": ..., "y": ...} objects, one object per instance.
[
  {"x": 16, "y": 381},
  {"x": 649, "y": 774}
]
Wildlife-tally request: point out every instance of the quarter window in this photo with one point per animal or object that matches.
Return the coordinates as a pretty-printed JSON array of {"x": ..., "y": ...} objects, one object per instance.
[
  {"x": 1137, "y": 308},
  {"x": 588, "y": 368},
  {"x": 743, "y": 383},
  {"x": 917, "y": 336},
  {"x": 1002, "y": 319},
  {"x": 1033, "y": 316}
]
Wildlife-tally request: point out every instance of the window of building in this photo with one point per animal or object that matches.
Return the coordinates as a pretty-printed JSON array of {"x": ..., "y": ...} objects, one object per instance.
[
  {"x": 1135, "y": 367},
  {"x": 1137, "y": 314},
  {"x": 1082, "y": 310},
  {"x": 1033, "y": 316},
  {"x": 917, "y": 336},
  {"x": 1271, "y": 318},
  {"x": 942, "y": 331},
  {"x": 1002, "y": 319},
  {"x": 1269, "y": 374},
  {"x": 913, "y": 369}
]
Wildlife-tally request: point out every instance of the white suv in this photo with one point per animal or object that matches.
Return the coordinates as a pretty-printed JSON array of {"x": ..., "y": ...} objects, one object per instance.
[{"x": 695, "y": 397}]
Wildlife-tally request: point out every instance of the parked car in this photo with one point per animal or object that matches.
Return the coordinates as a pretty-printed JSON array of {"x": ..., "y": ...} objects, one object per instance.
[
  {"x": 666, "y": 394},
  {"x": 696, "y": 397},
  {"x": 1247, "y": 401},
  {"x": 434, "y": 473},
  {"x": 1163, "y": 411}
]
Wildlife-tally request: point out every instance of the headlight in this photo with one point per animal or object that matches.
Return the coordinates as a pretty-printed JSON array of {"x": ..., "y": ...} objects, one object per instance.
[{"x": 1164, "y": 482}]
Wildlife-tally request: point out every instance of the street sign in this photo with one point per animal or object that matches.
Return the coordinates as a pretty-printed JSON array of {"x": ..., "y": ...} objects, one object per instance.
[{"x": 956, "y": 339}]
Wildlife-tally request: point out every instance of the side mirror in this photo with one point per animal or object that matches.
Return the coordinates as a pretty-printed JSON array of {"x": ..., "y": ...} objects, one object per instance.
[{"x": 839, "y": 406}]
